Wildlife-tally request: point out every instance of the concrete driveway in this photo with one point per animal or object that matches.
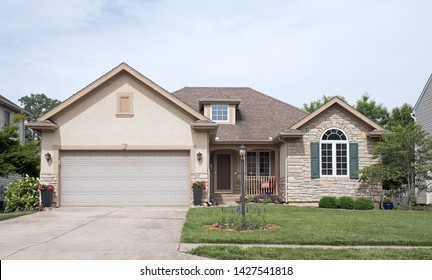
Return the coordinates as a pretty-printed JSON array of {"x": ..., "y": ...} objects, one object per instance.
[{"x": 95, "y": 233}]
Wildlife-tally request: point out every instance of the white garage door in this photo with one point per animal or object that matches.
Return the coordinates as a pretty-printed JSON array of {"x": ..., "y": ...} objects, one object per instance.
[{"x": 130, "y": 178}]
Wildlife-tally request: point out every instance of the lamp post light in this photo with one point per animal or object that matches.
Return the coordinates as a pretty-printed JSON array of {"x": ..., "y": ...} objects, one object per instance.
[{"x": 242, "y": 151}]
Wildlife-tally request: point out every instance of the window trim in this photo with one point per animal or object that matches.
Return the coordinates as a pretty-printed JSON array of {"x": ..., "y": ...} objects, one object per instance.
[
  {"x": 334, "y": 154},
  {"x": 258, "y": 163},
  {"x": 129, "y": 113},
  {"x": 228, "y": 113}
]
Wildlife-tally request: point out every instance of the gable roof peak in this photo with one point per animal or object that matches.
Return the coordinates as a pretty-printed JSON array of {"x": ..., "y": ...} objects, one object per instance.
[
  {"x": 112, "y": 73},
  {"x": 428, "y": 83},
  {"x": 337, "y": 101}
]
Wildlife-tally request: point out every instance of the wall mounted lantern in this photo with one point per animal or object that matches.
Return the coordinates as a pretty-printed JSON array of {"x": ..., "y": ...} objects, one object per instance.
[{"x": 48, "y": 156}]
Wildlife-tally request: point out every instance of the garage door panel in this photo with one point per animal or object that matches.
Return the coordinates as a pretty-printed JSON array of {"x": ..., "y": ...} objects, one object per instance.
[{"x": 103, "y": 178}]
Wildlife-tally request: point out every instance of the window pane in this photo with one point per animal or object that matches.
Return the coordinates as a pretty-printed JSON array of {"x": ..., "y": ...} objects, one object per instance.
[
  {"x": 341, "y": 159},
  {"x": 219, "y": 112},
  {"x": 264, "y": 164},
  {"x": 326, "y": 159},
  {"x": 251, "y": 162}
]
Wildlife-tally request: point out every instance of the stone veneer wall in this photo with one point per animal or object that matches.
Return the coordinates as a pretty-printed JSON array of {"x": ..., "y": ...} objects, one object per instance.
[
  {"x": 301, "y": 187},
  {"x": 200, "y": 177},
  {"x": 51, "y": 179}
]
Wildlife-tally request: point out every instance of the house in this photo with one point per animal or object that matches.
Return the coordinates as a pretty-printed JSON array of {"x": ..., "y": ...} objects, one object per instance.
[
  {"x": 7, "y": 110},
  {"x": 423, "y": 116},
  {"x": 124, "y": 140}
]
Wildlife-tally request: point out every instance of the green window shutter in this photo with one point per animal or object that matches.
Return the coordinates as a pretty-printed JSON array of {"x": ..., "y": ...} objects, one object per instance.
[
  {"x": 315, "y": 160},
  {"x": 353, "y": 160}
]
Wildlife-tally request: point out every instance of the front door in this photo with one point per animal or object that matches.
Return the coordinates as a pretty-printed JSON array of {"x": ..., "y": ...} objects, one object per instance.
[{"x": 223, "y": 172}]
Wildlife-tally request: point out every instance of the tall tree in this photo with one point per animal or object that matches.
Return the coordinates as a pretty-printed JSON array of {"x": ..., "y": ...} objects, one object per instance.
[
  {"x": 312, "y": 106},
  {"x": 37, "y": 104},
  {"x": 14, "y": 157},
  {"x": 406, "y": 160},
  {"x": 401, "y": 116},
  {"x": 376, "y": 112}
]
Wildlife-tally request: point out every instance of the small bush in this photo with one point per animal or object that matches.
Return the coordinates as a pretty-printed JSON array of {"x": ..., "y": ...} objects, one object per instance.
[
  {"x": 364, "y": 203},
  {"x": 346, "y": 202},
  {"x": 255, "y": 219},
  {"x": 22, "y": 194},
  {"x": 328, "y": 202}
]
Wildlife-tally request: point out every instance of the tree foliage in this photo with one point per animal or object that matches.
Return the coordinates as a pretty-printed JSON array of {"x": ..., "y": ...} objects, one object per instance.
[
  {"x": 406, "y": 160},
  {"x": 376, "y": 112},
  {"x": 401, "y": 116},
  {"x": 37, "y": 104},
  {"x": 314, "y": 105},
  {"x": 15, "y": 157}
]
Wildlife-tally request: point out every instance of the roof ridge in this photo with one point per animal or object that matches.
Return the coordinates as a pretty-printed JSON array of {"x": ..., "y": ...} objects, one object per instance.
[{"x": 280, "y": 101}]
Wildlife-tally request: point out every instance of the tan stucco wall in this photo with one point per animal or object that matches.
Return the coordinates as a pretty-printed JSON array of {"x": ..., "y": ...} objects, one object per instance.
[
  {"x": 301, "y": 188},
  {"x": 91, "y": 124}
]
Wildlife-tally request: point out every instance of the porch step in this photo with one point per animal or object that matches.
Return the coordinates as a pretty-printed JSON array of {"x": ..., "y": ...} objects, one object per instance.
[{"x": 227, "y": 199}]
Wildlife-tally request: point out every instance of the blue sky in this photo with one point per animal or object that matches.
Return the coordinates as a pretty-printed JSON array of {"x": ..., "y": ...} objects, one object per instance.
[{"x": 295, "y": 51}]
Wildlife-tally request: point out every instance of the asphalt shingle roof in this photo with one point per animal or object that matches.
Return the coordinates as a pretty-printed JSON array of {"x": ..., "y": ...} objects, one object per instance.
[{"x": 258, "y": 117}]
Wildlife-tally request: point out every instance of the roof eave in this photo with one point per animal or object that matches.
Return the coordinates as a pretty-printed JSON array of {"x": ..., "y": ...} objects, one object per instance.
[
  {"x": 39, "y": 126},
  {"x": 376, "y": 133}
]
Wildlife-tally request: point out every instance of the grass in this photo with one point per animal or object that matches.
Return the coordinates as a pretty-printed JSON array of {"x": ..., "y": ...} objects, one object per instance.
[
  {"x": 265, "y": 253},
  {"x": 314, "y": 226},
  {"x": 5, "y": 216}
]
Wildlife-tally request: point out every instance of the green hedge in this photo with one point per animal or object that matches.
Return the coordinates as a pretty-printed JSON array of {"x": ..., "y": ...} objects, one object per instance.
[
  {"x": 346, "y": 202},
  {"x": 363, "y": 203},
  {"x": 329, "y": 202}
]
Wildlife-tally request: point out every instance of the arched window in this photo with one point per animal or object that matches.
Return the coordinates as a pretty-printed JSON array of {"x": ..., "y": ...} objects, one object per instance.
[{"x": 334, "y": 153}]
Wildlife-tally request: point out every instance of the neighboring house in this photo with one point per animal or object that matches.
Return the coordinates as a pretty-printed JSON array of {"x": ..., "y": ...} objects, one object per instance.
[
  {"x": 7, "y": 110},
  {"x": 423, "y": 116},
  {"x": 124, "y": 140}
]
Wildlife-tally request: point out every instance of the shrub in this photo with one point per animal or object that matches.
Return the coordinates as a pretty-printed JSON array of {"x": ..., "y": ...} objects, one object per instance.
[
  {"x": 268, "y": 198},
  {"x": 364, "y": 203},
  {"x": 328, "y": 202},
  {"x": 346, "y": 202},
  {"x": 255, "y": 219},
  {"x": 22, "y": 194}
]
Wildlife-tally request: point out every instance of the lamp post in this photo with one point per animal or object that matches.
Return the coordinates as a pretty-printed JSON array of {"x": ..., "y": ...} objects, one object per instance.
[{"x": 242, "y": 151}]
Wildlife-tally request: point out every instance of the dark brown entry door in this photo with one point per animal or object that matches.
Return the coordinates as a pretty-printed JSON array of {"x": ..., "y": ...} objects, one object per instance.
[{"x": 223, "y": 172}]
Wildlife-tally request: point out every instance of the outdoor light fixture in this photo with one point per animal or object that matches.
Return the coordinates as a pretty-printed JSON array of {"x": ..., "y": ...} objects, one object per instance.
[
  {"x": 48, "y": 156},
  {"x": 199, "y": 156},
  {"x": 242, "y": 151}
]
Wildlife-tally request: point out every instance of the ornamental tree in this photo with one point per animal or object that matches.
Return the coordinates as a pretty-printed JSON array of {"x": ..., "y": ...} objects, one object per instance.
[{"x": 406, "y": 160}]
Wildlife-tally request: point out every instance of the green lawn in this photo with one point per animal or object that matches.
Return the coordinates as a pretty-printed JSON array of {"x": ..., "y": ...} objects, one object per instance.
[
  {"x": 265, "y": 253},
  {"x": 5, "y": 216},
  {"x": 317, "y": 226}
]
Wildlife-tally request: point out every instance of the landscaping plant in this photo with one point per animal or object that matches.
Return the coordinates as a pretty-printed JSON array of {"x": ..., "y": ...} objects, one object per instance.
[{"x": 23, "y": 194}]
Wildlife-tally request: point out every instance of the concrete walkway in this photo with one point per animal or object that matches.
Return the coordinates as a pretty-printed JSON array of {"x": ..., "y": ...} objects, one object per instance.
[
  {"x": 184, "y": 247},
  {"x": 95, "y": 233}
]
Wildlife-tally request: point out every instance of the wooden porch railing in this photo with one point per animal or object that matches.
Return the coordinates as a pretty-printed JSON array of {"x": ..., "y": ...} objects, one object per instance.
[{"x": 260, "y": 185}]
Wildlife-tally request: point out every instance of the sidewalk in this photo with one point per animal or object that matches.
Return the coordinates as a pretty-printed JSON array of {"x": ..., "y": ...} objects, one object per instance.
[{"x": 185, "y": 247}]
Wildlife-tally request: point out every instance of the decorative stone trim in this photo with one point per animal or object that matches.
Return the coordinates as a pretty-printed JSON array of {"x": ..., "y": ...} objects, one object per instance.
[
  {"x": 51, "y": 179},
  {"x": 200, "y": 177}
]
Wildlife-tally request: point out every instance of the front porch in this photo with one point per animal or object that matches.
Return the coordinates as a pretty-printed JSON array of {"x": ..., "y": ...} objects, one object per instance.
[
  {"x": 260, "y": 185},
  {"x": 261, "y": 168}
]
